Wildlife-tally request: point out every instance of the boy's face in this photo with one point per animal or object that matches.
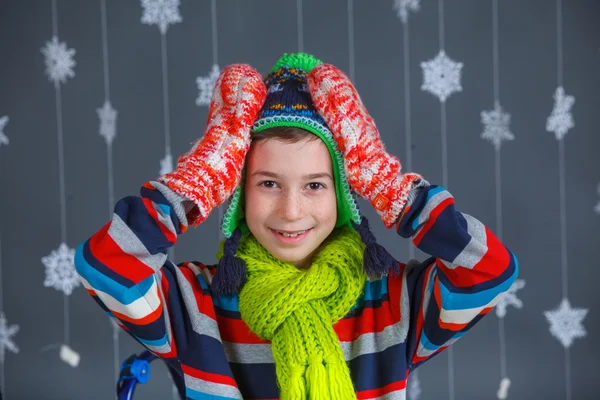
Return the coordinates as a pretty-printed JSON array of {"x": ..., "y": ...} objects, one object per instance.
[{"x": 290, "y": 201}]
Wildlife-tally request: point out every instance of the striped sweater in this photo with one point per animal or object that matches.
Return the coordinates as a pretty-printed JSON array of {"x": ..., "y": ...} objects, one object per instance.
[{"x": 396, "y": 324}]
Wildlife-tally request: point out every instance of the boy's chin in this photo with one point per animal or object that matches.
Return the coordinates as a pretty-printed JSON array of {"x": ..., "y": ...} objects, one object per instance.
[{"x": 300, "y": 259}]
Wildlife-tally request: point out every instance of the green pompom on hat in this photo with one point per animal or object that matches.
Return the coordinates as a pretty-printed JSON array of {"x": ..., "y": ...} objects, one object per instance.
[{"x": 289, "y": 104}]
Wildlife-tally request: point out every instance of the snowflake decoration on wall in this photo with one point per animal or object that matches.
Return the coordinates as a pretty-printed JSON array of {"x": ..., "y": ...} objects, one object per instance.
[
  {"x": 566, "y": 323},
  {"x": 597, "y": 207},
  {"x": 59, "y": 61},
  {"x": 414, "y": 386},
  {"x": 166, "y": 164},
  {"x": 402, "y": 8},
  {"x": 206, "y": 84},
  {"x": 60, "y": 270},
  {"x": 496, "y": 126},
  {"x": 441, "y": 76},
  {"x": 161, "y": 12},
  {"x": 108, "y": 120},
  {"x": 510, "y": 298},
  {"x": 561, "y": 119},
  {"x": 3, "y": 138},
  {"x": 6, "y": 337}
]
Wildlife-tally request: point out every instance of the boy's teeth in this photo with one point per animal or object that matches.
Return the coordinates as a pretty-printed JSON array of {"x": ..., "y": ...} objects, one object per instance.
[{"x": 291, "y": 234}]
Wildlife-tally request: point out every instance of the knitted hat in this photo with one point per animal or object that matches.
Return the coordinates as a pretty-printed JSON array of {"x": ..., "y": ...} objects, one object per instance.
[{"x": 289, "y": 104}]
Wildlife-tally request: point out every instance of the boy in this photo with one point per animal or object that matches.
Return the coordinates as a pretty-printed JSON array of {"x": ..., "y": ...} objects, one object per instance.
[{"x": 304, "y": 304}]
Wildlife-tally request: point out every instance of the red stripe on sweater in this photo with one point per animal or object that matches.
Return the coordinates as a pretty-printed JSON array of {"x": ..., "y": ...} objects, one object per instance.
[
  {"x": 236, "y": 331},
  {"x": 371, "y": 320},
  {"x": 432, "y": 219},
  {"x": 382, "y": 391},
  {"x": 207, "y": 376},
  {"x": 490, "y": 267},
  {"x": 395, "y": 292},
  {"x": 421, "y": 315},
  {"x": 170, "y": 236},
  {"x": 104, "y": 248},
  {"x": 148, "y": 319},
  {"x": 203, "y": 303}
]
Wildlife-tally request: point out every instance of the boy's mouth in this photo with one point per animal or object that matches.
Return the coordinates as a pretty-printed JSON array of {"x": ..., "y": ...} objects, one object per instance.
[{"x": 290, "y": 237}]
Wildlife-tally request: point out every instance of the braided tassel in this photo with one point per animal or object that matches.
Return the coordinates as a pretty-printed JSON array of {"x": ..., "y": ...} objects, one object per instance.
[
  {"x": 231, "y": 272},
  {"x": 377, "y": 260}
]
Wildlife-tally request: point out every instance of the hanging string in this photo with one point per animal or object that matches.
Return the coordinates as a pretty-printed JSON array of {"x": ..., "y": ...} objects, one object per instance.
[
  {"x": 61, "y": 175},
  {"x": 300, "y": 24}
]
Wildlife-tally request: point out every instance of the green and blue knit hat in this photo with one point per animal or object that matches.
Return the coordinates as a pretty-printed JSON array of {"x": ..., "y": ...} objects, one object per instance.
[{"x": 289, "y": 104}]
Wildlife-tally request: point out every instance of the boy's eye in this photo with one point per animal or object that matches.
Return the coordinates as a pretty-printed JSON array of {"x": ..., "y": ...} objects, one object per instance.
[
  {"x": 316, "y": 186},
  {"x": 268, "y": 184}
]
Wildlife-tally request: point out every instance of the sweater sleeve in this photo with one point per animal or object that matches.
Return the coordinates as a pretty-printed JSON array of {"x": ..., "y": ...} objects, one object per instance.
[
  {"x": 468, "y": 272},
  {"x": 124, "y": 267}
]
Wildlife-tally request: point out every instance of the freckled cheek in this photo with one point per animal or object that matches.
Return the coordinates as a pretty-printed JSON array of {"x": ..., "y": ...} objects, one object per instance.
[
  {"x": 323, "y": 209},
  {"x": 258, "y": 206}
]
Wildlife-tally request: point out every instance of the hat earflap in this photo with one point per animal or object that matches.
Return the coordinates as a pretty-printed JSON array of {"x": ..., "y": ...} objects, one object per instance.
[
  {"x": 377, "y": 260},
  {"x": 231, "y": 271}
]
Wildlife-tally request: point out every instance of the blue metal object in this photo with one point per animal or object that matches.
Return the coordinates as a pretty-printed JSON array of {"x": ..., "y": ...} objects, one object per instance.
[{"x": 134, "y": 370}]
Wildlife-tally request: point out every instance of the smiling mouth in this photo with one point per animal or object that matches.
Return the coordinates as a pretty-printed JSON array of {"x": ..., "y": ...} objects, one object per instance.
[
  {"x": 291, "y": 237},
  {"x": 291, "y": 233}
]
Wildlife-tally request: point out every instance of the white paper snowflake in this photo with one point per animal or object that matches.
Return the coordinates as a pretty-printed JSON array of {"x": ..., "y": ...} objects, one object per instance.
[
  {"x": 108, "y": 120},
  {"x": 561, "y": 119},
  {"x": 414, "y": 386},
  {"x": 60, "y": 270},
  {"x": 6, "y": 337},
  {"x": 166, "y": 164},
  {"x": 441, "y": 76},
  {"x": 402, "y": 8},
  {"x": 496, "y": 126},
  {"x": 161, "y": 12},
  {"x": 3, "y": 138},
  {"x": 597, "y": 207},
  {"x": 206, "y": 84},
  {"x": 566, "y": 323},
  {"x": 510, "y": 298},
  {"x": 59, "y": 61}
]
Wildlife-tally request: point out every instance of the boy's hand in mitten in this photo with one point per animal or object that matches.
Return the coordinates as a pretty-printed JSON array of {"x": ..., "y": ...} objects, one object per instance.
[
  {"x": 372, "y": 173},
  {"x": 209, "y": 173}
]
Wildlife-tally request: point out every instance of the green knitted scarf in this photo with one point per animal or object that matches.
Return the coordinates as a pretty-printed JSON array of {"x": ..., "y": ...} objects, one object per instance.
[{"x": 296, "y": 309}]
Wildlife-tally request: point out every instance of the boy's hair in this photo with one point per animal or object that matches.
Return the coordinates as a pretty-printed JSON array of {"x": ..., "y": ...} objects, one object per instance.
[{"x": 287, "y": 134}]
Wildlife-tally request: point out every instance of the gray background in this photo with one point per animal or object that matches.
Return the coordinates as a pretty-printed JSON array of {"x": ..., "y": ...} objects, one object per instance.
[{"x": 258, "y": 32}]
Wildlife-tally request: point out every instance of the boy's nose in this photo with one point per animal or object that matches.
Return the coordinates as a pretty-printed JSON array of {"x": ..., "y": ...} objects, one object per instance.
[{"x": 291, "y": 207}]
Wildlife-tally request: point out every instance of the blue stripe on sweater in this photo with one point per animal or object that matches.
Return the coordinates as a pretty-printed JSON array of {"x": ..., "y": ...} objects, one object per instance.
[
  {"x": 461, "y": 301},
  {"x": 192, "y": 394},
  {"x": 103, "y": 269},
  {"x": 506, "y": 274},
  {"x": 429, "y": 345},
  {"x": 430, "y": 193},
  {"x": 101, "y": 282},
  {"x": 228, "y": 303}
]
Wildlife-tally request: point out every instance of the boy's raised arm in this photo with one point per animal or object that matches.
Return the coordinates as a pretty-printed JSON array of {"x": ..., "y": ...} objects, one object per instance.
[
  {"x": 124, "y": 265},
  {"x": 469, "y": 271},
  {"x": 470, "y": 268}
]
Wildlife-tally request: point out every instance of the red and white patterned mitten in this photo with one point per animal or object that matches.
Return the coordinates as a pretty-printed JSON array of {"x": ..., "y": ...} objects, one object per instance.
[
  {"x": 372, "y": 173},
  {"x": 209, "y": 173}
]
